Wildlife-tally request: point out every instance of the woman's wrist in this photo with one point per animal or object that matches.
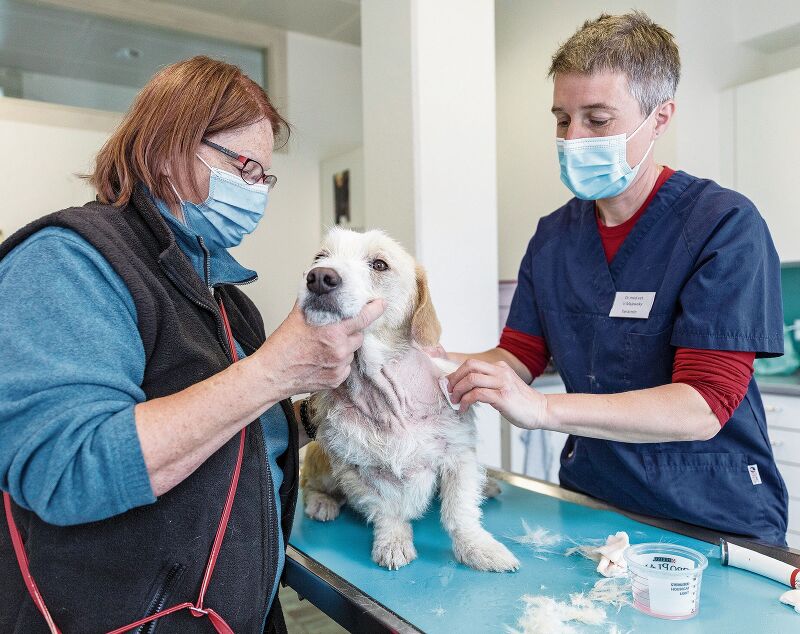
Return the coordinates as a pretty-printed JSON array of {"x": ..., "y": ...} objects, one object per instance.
[
  {"x": 269, "y": 375},
  {"x": 548, "y": 414},
  {"x": 539, "y": 412}
]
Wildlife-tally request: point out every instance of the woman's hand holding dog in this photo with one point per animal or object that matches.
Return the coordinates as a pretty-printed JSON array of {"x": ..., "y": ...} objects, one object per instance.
[
  {"x": 300, "y": 358},
  {"x": 496, "y": 384}
]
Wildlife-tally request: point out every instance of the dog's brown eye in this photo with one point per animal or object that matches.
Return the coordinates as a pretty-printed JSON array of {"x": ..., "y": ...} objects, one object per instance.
[{"x": 379, "y": 265}]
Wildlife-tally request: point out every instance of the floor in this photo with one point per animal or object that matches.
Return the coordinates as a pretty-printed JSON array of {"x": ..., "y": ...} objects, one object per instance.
[{"x": 303, "y": 618}]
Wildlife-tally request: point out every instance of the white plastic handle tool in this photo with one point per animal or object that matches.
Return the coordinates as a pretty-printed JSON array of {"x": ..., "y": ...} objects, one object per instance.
[{"x": 764, "y": 565}]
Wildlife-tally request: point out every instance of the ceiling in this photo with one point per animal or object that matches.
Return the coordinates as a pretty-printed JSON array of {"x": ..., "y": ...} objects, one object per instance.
[{"x": 332, "y": 19}]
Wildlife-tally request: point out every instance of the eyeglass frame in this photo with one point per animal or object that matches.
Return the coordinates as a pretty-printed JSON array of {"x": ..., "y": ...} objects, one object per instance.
[{"x": 267, "y": 179}]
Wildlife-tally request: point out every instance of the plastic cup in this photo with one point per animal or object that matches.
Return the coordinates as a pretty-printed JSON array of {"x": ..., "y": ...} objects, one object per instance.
[{"x": 665, "y": 579}]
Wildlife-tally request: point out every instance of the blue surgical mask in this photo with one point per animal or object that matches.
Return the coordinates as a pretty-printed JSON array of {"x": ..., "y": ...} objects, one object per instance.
[
  {"x": 232, "y": 210},
  {"x": 597, "y": 167}
]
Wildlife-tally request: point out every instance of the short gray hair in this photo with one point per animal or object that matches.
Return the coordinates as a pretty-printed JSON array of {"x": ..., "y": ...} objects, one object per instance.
[{"x": 632, "y": 44}]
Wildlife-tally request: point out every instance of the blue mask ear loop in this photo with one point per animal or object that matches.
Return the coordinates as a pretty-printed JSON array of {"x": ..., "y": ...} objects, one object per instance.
[
  {"x": 182, "y": 201},
  {"x": 633, "y": 134},
  {"x": 211, "y": 168},
  {"x": 650, "y": 147},
  {"x": 185, "y": 220}
]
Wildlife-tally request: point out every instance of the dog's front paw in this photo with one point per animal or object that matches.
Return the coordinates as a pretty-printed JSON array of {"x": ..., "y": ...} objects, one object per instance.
[
  {"x": 321, "y": 507},
  {"x": 485, "y": 553},
  {"x": 490, "y": 488},
  {"x": 394, "y": 554}
]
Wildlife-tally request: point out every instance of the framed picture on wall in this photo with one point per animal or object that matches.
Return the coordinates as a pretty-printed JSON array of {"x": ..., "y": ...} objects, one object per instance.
[
  {"x": 341, "y": 197},
  {"x": 342, "y": 191}
]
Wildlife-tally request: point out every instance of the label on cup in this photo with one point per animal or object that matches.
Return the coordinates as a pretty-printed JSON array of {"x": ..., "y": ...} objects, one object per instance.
[
  {"x": 673, "y": 598},
  {"x": 676, "y": 596}
]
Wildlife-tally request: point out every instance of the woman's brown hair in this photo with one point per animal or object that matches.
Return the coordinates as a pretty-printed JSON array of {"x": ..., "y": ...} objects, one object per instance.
[{"x": 180, "y": 105}]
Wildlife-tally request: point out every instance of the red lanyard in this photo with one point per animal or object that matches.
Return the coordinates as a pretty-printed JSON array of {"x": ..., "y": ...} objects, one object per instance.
[{"x": 196, "y": 609}]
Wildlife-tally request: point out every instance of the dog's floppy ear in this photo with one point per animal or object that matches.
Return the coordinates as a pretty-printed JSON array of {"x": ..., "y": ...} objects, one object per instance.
[{"x": 425, "y": 327}]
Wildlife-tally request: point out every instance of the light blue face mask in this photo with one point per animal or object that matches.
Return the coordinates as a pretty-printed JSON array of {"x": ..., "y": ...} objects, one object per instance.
[
  {"x": 597, "y": 167},
  {"x": 232, "y": 210}
]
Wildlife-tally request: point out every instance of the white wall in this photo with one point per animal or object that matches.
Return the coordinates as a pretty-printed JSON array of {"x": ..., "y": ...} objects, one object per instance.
[
  {"x": 388, "y": 121},
  {"x": 766, "y": 166},
  {"x": 44, "y": 146},
  {"x": 722, "y": 44},
  {"x": 324, "y": 104}
]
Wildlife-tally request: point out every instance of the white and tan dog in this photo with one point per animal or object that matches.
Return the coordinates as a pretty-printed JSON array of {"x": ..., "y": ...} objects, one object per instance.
[{"x": 386, "y": 438}]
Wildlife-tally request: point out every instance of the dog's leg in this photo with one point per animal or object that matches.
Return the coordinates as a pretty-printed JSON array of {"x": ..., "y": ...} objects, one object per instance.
[
  {"x": 320, "y": 496},
  {"x": 393, "y": 542},
  {"x": 462, "y": 482},
  {"x": 321, "y": 506},
  {"x": 389, "y": 506}
]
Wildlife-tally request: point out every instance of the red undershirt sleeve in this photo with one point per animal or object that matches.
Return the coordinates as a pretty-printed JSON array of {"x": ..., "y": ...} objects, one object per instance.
[
  {"x": 720, "y": 376},
  {"x": 529, "y": 349}
]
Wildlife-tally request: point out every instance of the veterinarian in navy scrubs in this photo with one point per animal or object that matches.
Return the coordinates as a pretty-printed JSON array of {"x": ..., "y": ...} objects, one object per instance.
[{"x": 653, "y": 291}]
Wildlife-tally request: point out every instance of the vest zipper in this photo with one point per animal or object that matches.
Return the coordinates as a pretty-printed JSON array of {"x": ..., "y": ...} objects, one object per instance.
[
  {"x": 159, "y": 599},
  {"x": 176, "y": 279},
  {"x": 206, "y": 264},
  {"x": 272, "y": 511}
]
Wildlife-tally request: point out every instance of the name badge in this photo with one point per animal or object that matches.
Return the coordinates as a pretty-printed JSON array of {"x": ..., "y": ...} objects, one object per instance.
[{"x": 632, "y": 305}]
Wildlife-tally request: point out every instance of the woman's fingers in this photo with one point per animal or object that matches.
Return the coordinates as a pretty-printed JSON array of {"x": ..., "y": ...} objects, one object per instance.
[
  {"x": 368, "y": 314},
  {"x": 480, "y": 395},
  {"x": 472, "y": 365},
  {"x": 475, "y": 379}
]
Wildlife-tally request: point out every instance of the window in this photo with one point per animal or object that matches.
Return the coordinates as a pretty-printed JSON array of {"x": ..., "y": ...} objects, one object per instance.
[{"x": 80, "y": 59}]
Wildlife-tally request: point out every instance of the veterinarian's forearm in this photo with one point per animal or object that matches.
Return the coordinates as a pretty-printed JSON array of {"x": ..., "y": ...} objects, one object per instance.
[
  {"x": 494, "y": 355},
  {"x": 660, "y": 414},
  {"x": 179, "y": 432}
]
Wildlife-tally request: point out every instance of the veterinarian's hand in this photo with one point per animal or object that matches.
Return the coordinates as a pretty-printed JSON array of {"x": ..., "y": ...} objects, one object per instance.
[
  {"x": 300, "y": 358},
  {"x": 499, "y": 386}
]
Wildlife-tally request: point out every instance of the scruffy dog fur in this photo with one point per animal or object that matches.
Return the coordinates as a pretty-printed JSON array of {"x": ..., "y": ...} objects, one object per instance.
[{"x": 387, "y": 438}]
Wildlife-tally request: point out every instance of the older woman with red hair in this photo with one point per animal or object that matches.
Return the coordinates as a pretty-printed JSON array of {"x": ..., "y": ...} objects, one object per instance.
[{"x": 148, "y": 452}]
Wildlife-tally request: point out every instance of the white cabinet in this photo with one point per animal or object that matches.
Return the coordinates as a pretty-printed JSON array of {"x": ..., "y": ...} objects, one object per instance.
[
  {"x": 765, "y": 166},
  {"x": 783, "y": 422}
]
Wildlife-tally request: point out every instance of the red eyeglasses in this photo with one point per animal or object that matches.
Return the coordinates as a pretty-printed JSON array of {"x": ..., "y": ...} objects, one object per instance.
[{"x": 251, "y": 171}]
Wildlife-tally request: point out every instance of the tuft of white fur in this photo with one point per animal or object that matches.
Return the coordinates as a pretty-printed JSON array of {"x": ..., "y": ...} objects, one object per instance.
[
  {"x": 539, "y": 538},
  {"x": 546, "y": 615},
  {"x": 615, "y": 591}
]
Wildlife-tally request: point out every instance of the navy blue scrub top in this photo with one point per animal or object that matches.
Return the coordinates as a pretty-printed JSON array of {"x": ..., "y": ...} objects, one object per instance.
[{"x": 709, "y": 257}]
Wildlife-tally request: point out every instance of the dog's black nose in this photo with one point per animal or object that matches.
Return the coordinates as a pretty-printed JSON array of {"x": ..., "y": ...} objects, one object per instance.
[{"x": 321, "y": 280}]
